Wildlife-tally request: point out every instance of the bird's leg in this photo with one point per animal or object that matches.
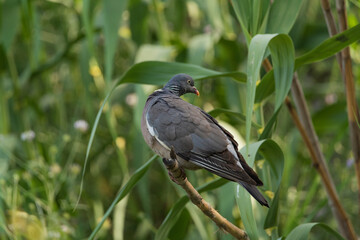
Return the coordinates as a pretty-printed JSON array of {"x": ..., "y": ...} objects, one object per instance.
[{"x": 176, "y": 172}]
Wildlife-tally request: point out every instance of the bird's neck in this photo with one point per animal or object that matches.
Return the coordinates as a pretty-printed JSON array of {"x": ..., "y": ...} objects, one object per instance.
[{"x": 173, "y": 89}]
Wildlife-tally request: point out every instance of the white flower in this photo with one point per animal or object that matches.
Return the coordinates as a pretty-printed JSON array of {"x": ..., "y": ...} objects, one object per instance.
[
  {"x": 28, "y": 135},
  {"x": 81, "y": 125}
]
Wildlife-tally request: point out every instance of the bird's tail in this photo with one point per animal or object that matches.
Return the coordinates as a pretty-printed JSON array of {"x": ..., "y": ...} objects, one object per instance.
[{"x": 255, "y": 193}]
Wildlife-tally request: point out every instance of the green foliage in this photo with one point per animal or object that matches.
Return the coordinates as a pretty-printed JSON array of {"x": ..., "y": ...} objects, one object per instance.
[
  {"x": 302, "y": 231},
  {"x": 70, "y": 66},
  {"x": 123, "y": 192}
]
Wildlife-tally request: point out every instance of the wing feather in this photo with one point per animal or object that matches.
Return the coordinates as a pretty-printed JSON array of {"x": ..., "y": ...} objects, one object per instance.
[{"x": 198, "y": 138}]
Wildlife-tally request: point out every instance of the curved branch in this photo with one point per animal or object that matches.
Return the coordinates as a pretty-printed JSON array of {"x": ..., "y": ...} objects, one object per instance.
[{"x": 178, "y": 175}]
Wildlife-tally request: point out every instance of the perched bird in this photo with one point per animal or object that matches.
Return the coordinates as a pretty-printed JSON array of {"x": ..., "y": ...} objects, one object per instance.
[{"x": 199, "y": 141}]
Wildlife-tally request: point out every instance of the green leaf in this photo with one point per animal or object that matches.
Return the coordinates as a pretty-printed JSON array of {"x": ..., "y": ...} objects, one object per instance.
[
  {"x": 272, "y": 219},
  {"x": 326, "y": 49},
  {"x": 282, "y": 51},
  {"x": 216, "y": 112},
  {"x": 302, "y": 231},
  {"x": 174, "y": 213},
  {"x": 272, "y": 169},
  {"x": 180, "y": 229},
  {"x": 282, "y": 55},
  {"x": 330, "y": 46},
  {"x": 283, "y": 14},
  {"x": 112, "y": 12},
  {"x": 171, "y": 218},
  {"x": 252, "y": 15},
  {"x": 242, "y": 12},
  {"x": 266, "y": 87},
  {"x": 158, "y": 73},
  {"x": 269, "y": 126},
  {"x": 10, "y": 21},
  {"x": 134, "y": 179},
  {"x": 247, "y": 216},
  {"x": 274, "y": 156}
]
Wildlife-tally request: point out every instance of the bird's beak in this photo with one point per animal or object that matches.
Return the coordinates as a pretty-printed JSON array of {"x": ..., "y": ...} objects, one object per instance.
[{"x": 196, "y": 91}]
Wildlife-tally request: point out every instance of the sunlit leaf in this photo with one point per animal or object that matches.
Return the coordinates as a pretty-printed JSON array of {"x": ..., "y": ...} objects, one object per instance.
[{"x": 282, "y": 52}]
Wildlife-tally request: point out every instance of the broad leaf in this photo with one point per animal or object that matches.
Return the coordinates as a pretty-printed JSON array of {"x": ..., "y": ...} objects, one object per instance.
[
  {"x": 283, "y": 14},
  {"x": 282, "y": 51},
  {"x": 325, "y": 50},
  {"x": 330, "y": 46},
  {"x": 158, "y": 73},
  {"x": 252, "y": 15}
]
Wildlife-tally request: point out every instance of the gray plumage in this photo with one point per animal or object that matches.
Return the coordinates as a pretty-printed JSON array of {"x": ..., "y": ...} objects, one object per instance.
[{"x": 198, "y": 139}]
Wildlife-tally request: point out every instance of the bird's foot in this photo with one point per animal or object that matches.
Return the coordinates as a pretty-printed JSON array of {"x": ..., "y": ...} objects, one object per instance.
[{"x": 176, "y": 173}]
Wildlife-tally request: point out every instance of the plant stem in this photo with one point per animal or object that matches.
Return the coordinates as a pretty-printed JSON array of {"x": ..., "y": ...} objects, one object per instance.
[
  {"x": 179, "y": 177},
  {"x": 352, "y": 107},
  {"x": 308, "y": 133},
  {"x": 306, "y": 129},
  {"x": 330, "y": 23},
  {"x": 344, "y": 61}
]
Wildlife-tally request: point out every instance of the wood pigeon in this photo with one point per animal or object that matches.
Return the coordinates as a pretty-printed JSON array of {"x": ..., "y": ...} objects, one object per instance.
[{"x": 199, "y": 141}]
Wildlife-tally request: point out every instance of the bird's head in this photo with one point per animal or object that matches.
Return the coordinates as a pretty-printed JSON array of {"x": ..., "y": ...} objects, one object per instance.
[{"x": 181, "y": 84}]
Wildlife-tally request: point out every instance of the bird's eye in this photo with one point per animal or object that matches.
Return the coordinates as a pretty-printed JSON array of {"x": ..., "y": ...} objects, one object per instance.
[{"x": 188, "y": 81}]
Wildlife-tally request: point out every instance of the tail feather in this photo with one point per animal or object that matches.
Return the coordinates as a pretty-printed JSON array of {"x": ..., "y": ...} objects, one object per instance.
[{"x": 255, "y": 193}]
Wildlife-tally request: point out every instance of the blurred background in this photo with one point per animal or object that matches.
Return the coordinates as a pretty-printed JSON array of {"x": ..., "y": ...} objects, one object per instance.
[{"x": 57, "y": 64}]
